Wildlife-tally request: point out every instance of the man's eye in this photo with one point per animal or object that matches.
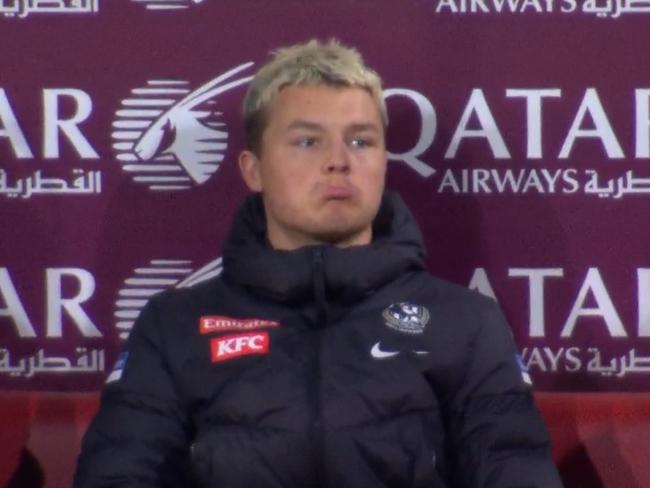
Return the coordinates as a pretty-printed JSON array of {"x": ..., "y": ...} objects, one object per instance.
[
  {"x": 306, "y": 142},
  {"x": 360, "y": 142}
]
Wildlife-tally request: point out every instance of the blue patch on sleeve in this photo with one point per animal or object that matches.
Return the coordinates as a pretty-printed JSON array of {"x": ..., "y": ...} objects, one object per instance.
[
  {"x": 118, "y": 369},
  {"x": 525, "y": 376}
]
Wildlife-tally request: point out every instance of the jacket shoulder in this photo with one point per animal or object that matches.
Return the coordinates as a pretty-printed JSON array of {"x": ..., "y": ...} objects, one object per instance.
[
  {"x": 172, "y": 311},
  {"x": 189, "y": 298},
  {"x": 442, "y": 292}
]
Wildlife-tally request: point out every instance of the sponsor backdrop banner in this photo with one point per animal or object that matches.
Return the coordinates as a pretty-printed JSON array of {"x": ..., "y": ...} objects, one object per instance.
[{"x": 519, "y": 136}]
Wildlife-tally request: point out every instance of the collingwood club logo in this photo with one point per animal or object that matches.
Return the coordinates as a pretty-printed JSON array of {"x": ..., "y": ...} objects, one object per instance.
[
  {"x": 167, "y": 4},
  {"x": 158, "y": 275},
  {"x": 406, "y": 317},
  {"x": 170, "y": 137}
]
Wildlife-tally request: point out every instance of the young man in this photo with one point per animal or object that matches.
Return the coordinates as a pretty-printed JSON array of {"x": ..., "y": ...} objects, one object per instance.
[{"x": 325, "y": 355}]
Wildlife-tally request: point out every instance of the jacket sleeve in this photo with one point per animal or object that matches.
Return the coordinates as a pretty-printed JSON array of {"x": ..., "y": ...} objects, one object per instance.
[
  {"x": 498, "y": 436},
  {"x": 139, "y": 437}
]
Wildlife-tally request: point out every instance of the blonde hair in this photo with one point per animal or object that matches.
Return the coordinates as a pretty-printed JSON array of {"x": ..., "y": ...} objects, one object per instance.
[{"x": 310, "y": 63}]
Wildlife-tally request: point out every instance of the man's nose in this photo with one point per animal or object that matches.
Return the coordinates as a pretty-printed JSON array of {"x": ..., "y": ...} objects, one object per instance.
[{"x": 338, "y": 159}]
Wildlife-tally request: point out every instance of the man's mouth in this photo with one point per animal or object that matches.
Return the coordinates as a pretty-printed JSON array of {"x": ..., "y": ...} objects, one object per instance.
[{"x": 337, "y": 192}]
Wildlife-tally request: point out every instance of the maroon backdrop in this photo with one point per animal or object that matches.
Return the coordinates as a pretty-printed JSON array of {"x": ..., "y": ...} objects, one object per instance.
[{"x": 519, "y": 136}]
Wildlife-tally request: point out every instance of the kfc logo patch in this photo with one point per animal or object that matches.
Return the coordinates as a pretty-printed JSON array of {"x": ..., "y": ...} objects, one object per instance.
[
  {"x": 236, "y": 345},
  {"x": 218, "y": 323}
]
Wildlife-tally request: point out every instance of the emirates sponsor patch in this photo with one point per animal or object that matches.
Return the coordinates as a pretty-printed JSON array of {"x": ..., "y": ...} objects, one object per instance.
[
  {"x": 218, "y": 323},
  {"x": 235, "y": 345}
]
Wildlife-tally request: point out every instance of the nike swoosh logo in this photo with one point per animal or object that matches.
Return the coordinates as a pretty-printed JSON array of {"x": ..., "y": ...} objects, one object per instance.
[{"x": 377, "y": 353}]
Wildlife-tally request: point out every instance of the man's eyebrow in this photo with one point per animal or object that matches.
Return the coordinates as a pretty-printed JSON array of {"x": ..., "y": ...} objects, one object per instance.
[
  {"x": 315, "y": 126},
  {"x": 304, "y": 124},
  {"x": 364, "y": 126}
]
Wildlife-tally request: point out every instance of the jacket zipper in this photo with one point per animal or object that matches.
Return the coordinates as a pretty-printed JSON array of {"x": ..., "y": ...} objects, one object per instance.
[{"x": 316, "y": 424}]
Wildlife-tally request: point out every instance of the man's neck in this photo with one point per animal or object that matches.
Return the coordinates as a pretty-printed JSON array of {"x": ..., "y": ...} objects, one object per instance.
[{"x": 285, "y": 242}]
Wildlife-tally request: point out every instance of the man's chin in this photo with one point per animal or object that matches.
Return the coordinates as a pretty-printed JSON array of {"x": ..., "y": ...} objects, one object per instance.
[
  {"x": 343, "y": 236},
  {"x": 343, "y": 227}
]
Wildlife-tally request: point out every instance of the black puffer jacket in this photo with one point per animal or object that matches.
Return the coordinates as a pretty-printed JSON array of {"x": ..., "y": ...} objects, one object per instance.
[{"x": 320, "y": 367}]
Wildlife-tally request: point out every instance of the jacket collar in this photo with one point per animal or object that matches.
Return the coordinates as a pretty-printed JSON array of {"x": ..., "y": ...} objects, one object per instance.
[{"x": 348, "y": 273}]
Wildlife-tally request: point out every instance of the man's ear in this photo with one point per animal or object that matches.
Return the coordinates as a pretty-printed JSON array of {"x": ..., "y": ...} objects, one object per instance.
[{"x": 249, "y": 167}]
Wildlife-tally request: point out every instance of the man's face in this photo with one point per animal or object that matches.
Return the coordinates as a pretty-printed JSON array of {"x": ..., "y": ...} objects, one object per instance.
[{"x": 322, "y": 166}]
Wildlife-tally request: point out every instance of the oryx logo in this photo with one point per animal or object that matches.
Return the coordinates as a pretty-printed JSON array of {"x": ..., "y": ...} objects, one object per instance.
[
  {"x": 170, "y": 137},
  {"x": 167, "y": 4},
  {"x": 158, "y": 275}
]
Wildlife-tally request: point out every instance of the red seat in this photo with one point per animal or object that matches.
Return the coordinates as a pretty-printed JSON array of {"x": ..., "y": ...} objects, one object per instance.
[
  {"x": 598, "y": 438},
  {"x": 41, "y": 435}
]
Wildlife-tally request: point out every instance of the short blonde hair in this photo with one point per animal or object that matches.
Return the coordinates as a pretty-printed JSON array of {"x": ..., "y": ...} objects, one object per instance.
[{"x": 310, "y": 63}]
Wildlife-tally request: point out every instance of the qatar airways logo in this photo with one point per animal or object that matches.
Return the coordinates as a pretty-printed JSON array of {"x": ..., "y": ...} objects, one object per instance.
[
  {"x": 599, "y": 8},
  {"x": 168, "y": 4},
  {"x": 169, "y": 136},
  {"x": 479, "y": 128},
  {"x": 23, "y": 8},
  {"x": 592, "y": 312},
  {"x": 155, "y": 277}
]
